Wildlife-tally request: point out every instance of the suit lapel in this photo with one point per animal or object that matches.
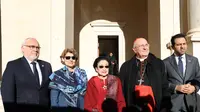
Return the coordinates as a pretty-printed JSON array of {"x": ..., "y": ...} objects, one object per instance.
[
  {"x": 188, "y": 67},
  {"x": 42, "y": 68},
  {"x": 175, "y": 66},
  {"x": 28, "y": 68}
]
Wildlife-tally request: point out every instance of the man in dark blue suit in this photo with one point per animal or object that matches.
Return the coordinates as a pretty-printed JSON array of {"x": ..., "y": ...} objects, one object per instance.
[{"x": 25, "y": 81}]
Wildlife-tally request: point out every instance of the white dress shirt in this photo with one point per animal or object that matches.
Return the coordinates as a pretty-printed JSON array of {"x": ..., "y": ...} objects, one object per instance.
[{"x": 38, "y": 69}]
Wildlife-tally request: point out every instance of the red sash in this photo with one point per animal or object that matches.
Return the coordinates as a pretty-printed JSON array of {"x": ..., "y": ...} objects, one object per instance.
[{"x": 143, "y": 91}]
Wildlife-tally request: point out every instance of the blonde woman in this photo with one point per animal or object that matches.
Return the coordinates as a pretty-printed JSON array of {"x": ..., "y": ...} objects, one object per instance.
[{"x": 68, "y": 84}]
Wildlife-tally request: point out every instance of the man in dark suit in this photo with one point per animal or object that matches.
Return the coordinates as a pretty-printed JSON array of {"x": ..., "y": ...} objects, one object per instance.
[
  {"x": 25, "y": 81},
  {"x": 183, "y": 74}
]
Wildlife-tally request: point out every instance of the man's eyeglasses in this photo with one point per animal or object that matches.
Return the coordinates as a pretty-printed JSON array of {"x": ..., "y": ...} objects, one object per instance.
[
  {"x": 70, "y": 57},
  {"x": 103, "y": 66},
  {"x": 32, "y": 46}
]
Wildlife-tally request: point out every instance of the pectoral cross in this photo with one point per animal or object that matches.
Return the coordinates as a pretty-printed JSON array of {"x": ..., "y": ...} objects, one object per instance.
[
  {"x": 104, "y": 87},
  {"x": 140, "y": 81}
]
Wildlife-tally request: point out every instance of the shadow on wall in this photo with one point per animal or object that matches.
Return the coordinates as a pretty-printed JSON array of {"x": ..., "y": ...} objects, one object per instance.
[
  {"x": 12, "y": 107},
  {"x": 109, "y": 105},
  {"x": 67, "y": 109}
]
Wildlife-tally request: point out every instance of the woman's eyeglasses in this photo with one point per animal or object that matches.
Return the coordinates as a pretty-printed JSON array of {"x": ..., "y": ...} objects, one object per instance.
[
  {"x": 70, "y": 57},
  {"x": 103, "y": 66}
]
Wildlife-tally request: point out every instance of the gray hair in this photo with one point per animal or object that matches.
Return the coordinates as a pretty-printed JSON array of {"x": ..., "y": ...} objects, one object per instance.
[{"x": 29, "y": 38}]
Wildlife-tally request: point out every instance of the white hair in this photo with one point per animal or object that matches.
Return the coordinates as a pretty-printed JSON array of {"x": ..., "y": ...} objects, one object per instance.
[{"x": 29, "y": 38}]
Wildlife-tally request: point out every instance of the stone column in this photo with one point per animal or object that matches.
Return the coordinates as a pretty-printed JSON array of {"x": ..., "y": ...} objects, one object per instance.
[
  {"x": 21, "y": 19},
  {"x": 62, "y": 29},
  {"x": 69, "y": 18},
  {"x": 162, "y": 27},
  {"x": 193, "y": 35}
]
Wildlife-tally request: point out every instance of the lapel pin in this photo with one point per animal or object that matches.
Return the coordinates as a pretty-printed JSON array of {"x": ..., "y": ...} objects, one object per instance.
[{"x": 42, "y": 65}]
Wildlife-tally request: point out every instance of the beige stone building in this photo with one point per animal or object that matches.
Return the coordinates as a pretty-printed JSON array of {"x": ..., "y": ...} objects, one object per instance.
[{"x": 94, "y": 27}]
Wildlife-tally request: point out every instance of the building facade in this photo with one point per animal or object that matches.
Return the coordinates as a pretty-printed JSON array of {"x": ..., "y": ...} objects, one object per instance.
[{"x": 96, "y": 27}]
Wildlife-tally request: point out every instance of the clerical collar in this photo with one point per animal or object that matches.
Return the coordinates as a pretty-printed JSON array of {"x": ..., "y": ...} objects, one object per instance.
[{"x": 140, "y": 59}]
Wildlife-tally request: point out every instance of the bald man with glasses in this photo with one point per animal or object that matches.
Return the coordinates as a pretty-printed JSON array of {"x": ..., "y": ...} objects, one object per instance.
[
  {"x": 25, "y": 81},
  {"x": 143, "y": 80}
]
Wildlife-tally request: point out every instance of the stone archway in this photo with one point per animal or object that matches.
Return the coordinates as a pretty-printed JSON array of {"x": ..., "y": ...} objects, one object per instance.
[{"x": 88, "y": 39}]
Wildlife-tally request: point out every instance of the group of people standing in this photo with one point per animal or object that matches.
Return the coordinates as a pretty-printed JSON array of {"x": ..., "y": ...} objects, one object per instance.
[
  {"x": 29, "y": 85},
  {"x": 145, "y": 83}
]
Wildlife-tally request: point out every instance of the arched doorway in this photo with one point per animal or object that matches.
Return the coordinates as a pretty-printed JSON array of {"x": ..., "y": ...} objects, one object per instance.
[
  {"x": 91, "y": 34},
  {"x": 108, "y": 45}
]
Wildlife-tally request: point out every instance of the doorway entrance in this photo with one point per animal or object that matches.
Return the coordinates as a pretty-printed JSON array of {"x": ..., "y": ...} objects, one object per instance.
[
  {"x": 102, "y": 34},
  {"x": 109, "y": 44}
]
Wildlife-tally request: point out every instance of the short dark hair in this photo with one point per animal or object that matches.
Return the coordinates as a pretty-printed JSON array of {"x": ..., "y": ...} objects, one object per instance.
[
  {"x": 100, "y": 58},
  {"x": 180, "y": 35}
]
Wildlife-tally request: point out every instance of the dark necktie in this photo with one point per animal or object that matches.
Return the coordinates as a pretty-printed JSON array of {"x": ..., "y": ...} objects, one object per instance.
[
  {"x": 35, "y": 72},
  {"x": 180, "y": 65}
]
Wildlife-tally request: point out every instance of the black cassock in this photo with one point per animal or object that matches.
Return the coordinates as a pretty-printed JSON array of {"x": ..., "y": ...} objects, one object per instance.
[{"x": 154, "y": 77}]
